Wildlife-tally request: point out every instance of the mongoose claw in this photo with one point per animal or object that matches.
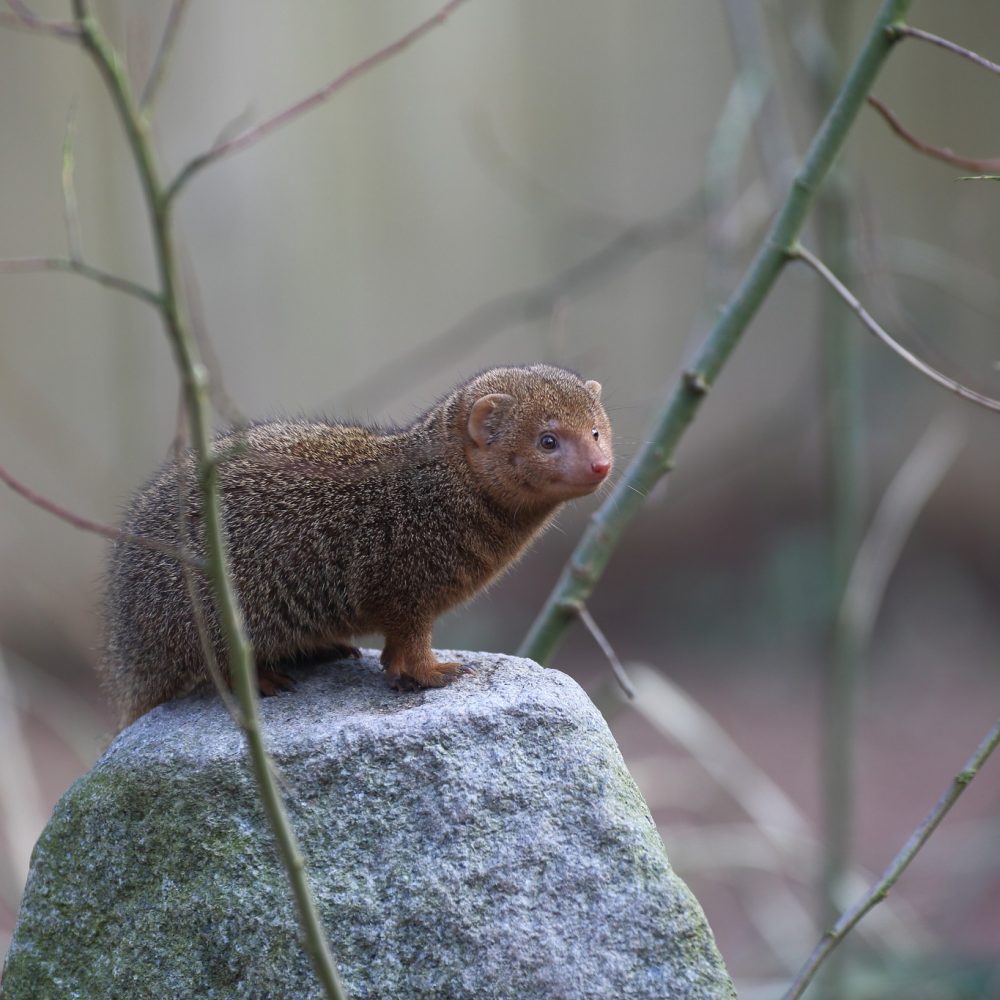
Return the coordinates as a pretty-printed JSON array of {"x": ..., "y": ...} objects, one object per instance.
[
  {"x": 438, "y": 674},
  {"x": 433, "y": 675},
  {"x": 270, "y": 682},
  {"x": 456, "y": 670}
]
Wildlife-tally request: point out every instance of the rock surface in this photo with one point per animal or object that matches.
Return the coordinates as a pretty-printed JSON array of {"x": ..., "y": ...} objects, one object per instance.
[{"x": 482, "y": 840}]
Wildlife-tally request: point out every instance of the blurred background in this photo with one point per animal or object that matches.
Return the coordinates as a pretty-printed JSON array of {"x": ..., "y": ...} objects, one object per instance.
[{"x": 581, "y": 182}]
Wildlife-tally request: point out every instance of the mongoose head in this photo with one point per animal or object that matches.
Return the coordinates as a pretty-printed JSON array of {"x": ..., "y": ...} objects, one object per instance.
[{"x": 536, "y": 436}]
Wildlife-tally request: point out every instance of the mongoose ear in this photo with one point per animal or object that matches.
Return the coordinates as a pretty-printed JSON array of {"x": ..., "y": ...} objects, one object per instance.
[
  {"x": 483, "y": 416},
  {"x": 594, "y": 388}
]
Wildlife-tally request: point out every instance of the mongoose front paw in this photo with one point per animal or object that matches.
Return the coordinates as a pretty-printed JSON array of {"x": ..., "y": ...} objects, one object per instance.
[
  {"x": 438, "y": 674},
  {"x": 413, "y": 677}
]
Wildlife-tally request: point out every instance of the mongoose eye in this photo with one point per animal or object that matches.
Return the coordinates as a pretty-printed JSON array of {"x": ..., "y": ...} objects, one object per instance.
[
  {"x": 548, "y": 442},
  {"x": 596, "y": 433}
]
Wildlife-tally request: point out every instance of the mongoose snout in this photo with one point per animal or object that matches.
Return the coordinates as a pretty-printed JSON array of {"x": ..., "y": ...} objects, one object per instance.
[{"x": 337, "y": 530}]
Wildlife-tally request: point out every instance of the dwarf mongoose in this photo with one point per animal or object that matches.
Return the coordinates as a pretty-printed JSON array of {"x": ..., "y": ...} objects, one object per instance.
[{"x": 337, "y": 530}]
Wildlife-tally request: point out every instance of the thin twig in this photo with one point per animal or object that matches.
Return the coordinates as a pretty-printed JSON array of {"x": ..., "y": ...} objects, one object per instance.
[
  {"x": 265, "y": 128},
  {"x": 917, "y": 478},
  {"x": 70, "y": 212},
  {"x": 969, "y": 283},
  {"x": 907, "y": 31},
  {"x": 85, "y": 524},
  {"x": 24, "y": 17},
  {"x": 228, "y": 408},
  {"x": 801, "y": 253},
  {"x": 621, "y": 675},
  {"x": 723, "y": 158},
  {"x": 676, "y": 714},
  {"x": 772, "y": 133},
  {"x": 777, "y": 825},
  {"x": 34, "y": 265},
  {"x": 942, "y": 153},
  {"x": 191, "y": 584},
  {"x": 163, "y": 53},
  {"x": 898, "y": 865},
  {"x": 776, "y": 819},
  {"x": 815, "y": 50},
  {"x": 529, "y": 188},
  {"x": 522, "y": 306}
]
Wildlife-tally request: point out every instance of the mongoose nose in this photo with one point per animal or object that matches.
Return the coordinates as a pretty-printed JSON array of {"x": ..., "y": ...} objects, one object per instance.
[{"x": 601, "y": 467}]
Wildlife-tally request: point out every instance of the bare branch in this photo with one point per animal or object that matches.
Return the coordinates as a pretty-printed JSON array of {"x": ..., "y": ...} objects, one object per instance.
[
  {"x": 602, "y": 640},
  {"x": 723, "y": 158},
  {"x": 907, "y": 494},
  {"x": 191, "y": 584},
  {"x": 775, "y": 142},
  {"x": 801, "y": 253},
  {"x": 24, "y": 17},
  {"x": 776, "y": 821},
  {"x": 898, "y": 865},
  {"x": 70, "y": 213},
  {"x": 530, "y": 189},
  {"x": 955, "y": 276},
  {"x": 85, "y": 524},
  {"x": 525, "y": 305},
  {"x": 163, "y": 53},
  {"x": 906, "y": 31},
  {"x": 30, "y": 265},
  {"x": 221, "y": 399},
  {"x": 265, "y": 128},
  {"x": 677, "y": 715},
  {"x": 942, "y": 153}
]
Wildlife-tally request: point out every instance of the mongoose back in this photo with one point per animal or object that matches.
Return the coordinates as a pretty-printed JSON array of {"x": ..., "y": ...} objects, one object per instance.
[{"x": 338, "y": 530}]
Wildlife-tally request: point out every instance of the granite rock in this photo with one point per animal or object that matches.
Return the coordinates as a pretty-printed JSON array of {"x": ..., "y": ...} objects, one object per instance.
[{"x": 483, "y": 840}]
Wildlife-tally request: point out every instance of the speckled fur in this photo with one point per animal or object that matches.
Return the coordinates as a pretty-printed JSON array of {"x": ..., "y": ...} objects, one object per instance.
[{"x": 337, "y": 530}]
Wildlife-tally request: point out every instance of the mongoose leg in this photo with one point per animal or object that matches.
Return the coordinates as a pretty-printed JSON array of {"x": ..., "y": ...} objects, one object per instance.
[{"x": 410, "y": 663}]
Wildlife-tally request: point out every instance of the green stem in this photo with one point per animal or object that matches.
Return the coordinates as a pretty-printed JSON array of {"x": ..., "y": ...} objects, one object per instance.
[
  {"x": 843, "y": 399},
  {"x": 655, "y": 457},
  {"x": 195, "y": 380}
]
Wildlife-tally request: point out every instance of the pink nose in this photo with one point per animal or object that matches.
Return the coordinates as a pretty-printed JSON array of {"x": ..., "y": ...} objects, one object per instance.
[{"x": 601, "y": 467}]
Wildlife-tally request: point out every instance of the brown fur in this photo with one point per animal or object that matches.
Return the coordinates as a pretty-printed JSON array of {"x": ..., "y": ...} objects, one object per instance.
[{"x": 337, "y": 530}]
